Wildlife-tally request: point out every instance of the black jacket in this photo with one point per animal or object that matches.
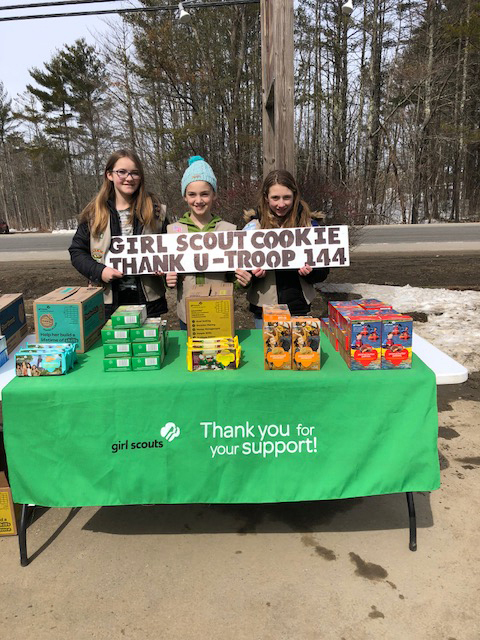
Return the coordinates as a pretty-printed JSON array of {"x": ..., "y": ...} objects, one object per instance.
[
  {"x": 289, "y": 289},
  {"x": 85, "y": 264},
  {"x": 80, "y": 248}
]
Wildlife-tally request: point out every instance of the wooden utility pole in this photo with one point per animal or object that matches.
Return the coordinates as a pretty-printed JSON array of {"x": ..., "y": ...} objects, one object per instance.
[{"x": 277, "y": 84}]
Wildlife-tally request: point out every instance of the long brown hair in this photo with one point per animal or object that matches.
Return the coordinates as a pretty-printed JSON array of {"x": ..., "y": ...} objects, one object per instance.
[
  {"x": 97, "y": 214},
  {"x": 298, "y": 216}
]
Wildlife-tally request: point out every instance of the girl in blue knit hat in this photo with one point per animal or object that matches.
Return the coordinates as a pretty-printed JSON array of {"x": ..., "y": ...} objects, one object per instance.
[{"x": 199, "y": 190}]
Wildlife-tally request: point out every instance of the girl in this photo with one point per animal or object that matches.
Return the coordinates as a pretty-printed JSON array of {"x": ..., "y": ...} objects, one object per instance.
[
  {"x": 121, "y": 207},
  {"x": 280, "y": 206},
  {"x": 199, "y": 190}
]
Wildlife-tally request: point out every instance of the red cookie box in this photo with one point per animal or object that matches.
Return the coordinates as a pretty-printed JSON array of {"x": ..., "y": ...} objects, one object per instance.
[
  {"x": 396, "y": 341},
  {"x": 336, "y": 307},
  {"x": 328, "y": 330},
  {"x": 345, "y": 316},
  {"x": 360, "y": 342},
  {"x": 373, "y": 304}
]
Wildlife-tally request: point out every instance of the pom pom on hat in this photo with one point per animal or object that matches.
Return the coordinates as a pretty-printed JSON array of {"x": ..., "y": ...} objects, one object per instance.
[
  {"x": 193, "y": 159},
  {"x": 198, "y": 169}
]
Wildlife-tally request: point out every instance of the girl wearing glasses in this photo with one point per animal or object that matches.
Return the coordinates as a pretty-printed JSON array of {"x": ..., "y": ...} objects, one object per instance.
[{"x": 121, "y": 207}]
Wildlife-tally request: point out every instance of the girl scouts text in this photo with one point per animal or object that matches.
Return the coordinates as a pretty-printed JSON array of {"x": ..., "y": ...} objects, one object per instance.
[{"x": 230, "y": 250}]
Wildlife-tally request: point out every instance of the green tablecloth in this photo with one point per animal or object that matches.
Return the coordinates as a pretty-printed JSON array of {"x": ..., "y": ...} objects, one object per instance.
[{"x": 94, "y": 438}]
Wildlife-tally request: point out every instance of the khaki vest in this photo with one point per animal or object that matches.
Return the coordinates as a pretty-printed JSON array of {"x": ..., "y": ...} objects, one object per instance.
[
  {"x": 186, "y": 281},
  {"x": 264, "y": 290},
  {"x": 153, "y": 286}
]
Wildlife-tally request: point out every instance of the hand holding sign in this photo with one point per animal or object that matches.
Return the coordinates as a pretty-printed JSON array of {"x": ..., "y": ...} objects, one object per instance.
[
  {"x": 109, "y": 274},
  {"x": 304, "y": 271},
  {"x": 243, "y": 277},
  {"x": 171, "y": 280}
]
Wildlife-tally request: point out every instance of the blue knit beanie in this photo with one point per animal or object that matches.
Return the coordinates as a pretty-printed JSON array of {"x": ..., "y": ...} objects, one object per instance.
[{"x": 198, "y": 169}]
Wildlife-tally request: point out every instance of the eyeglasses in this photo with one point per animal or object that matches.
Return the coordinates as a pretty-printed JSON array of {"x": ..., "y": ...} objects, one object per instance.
[{"x": 123, "y": 174}]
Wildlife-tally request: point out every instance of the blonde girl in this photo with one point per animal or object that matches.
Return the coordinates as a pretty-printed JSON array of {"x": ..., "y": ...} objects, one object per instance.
[{"x": 123, "y": 206}]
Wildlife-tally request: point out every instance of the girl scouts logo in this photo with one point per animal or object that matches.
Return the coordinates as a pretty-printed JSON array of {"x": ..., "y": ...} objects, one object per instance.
[
  {"x": 170, "y": 431},
  {"x": 46, "y": 321},
  {"x": 97, "y": 254}
]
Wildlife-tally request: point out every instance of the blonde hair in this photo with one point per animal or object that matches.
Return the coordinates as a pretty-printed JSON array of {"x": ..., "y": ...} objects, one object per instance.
[
  {"x": 97, "y": 213},
  {"x": 295, "y": 218}
]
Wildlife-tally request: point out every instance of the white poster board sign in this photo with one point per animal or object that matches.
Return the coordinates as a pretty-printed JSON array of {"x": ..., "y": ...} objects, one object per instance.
[{"x": 230, "y": 250}]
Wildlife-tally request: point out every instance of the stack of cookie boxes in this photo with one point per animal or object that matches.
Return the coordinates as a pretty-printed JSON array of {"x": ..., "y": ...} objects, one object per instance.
[
  {"x": 133, "y": 342},
  {"x": 369, "y": 334},
  {"x": 290, "y": 342},
  {"x": 45, "y": 359}
]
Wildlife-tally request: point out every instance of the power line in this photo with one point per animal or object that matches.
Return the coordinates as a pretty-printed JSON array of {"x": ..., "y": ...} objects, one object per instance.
[
  {"x": 173, "y": 7},
  {"x": 52, "y": 4}
]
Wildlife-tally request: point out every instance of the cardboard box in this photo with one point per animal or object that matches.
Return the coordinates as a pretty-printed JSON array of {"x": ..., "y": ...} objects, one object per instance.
[
  {"x": 117, "y": 364},
  {"x": 114, "y": 336},
  {"x": 210, "y": 310},
  {"x": 373, "y": 304},
  {"x": 70, "y": 314},
  {"x": 3, "y": 350},
  {"x": 305, "y": 343},
  {"x": 148, "y": 348},
  {"x": 146, "y": 363},
  {"x": 8, "y": 524},
  {"x": 117, "y": 349},
  {"x": 129, "y": 315},
  {"x": 360, "y": 343},
  {"x": 31, "y": 363},
  {"x": 277, "y": 337},
  {"x": 208, "y": 354},
  {"x": 397, "y": 332},
  {"x": 335, "y": 308},
  {"x": 150, "y": 331},
  {"x": 13, "y": 324}
]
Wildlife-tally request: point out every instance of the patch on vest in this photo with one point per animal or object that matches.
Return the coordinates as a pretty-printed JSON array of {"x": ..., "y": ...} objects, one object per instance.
[
  {"x": 97, "y": 254},
  {"x": 177, "y": 228}
]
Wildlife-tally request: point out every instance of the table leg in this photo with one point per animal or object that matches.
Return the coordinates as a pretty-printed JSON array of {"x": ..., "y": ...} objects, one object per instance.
[
  {"x": 413, "y": 522},
  {"x": 27, "y": 510}
]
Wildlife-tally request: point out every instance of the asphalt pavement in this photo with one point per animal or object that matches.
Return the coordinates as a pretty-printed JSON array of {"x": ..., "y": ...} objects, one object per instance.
[{"x": 373, "y": 239}]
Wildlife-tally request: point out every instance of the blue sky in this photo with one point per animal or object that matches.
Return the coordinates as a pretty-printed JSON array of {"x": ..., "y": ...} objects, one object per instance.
[{"x": 30, "y": 43}]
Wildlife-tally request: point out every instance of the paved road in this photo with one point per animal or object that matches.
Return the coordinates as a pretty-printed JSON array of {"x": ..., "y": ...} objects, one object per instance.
[
  {"x": 374, "y": 239},
  {"x": 397, "y": 234}
]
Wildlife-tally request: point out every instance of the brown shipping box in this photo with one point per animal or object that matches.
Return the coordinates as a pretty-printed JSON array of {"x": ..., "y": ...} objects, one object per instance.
[
  {"x": 70, "y": 314},
  {"x": 210, "y": 311},
  {"x": 13, "y": 324},
  {"x": 8, "y": 524}
]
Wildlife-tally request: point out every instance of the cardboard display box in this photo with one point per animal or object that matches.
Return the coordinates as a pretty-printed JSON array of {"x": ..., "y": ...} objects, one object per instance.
[
  {"x": 70, "y": 314},
  {"x": 210, "y": 311},
  {"x": 8, "y": 524},
  {"x": 13, "y": 324}
]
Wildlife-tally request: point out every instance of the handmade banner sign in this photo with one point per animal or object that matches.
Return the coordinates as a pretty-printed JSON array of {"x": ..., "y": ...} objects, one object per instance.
[{"x": 230, "y": 250}]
